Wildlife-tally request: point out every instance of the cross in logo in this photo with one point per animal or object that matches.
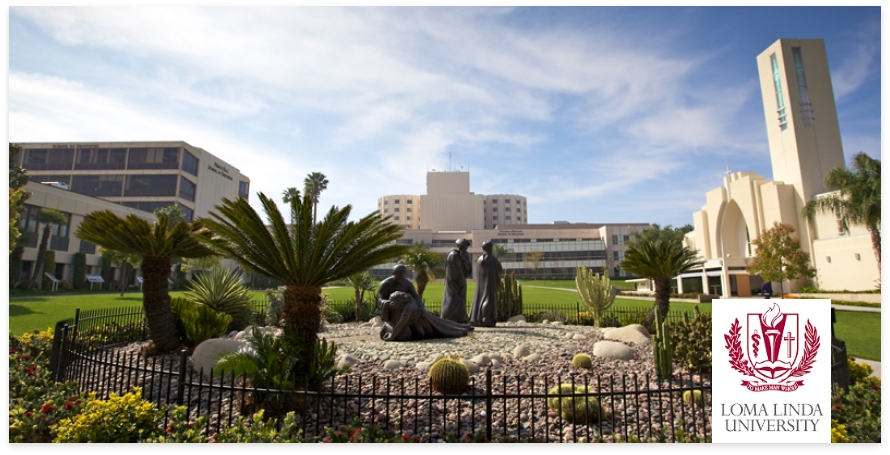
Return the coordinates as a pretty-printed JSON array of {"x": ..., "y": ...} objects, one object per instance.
[{"x": 789, "y": 339}]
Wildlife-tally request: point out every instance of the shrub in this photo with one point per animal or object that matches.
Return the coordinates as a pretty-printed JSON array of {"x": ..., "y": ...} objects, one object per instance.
[
  {"x": 126, "y": 418},
  {"x": 692, "y": 349},
  {"x": 257, "y": 429},
  {"x": 222, "y": 290},
  {"x": 838, "y": 433},
  {"x": 106, "y": 271},
  {"x": 49, "y": 266},
  {"x": 80, "y": 271},
  {"x": 196, "y": 323},
  {"x": 15, "y": 264},
  {"x": 449, "y": 375},
  {"x": 66, "y": 285},
  {"x": 582, "y": 361},
  {"x": 180, "y": 429},
  {"x": 575, "y": 409},
  {"x": 858, "y": 371},
  {"x": 859, "y": 410},
  {"x": 584, "y": 318}
]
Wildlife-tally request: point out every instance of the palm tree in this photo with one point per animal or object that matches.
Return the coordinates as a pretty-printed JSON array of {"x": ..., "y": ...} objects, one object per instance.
[
  {"x": 157, "y": 244},
  {"x": 361, "y": 282},
  {"x": 304, "y": 255},
  {"x": 290, "y": 193},
  {"x": 498, "y": 250},
  {"x": 313, "y": 185},
  {"x": 425, "y": 264},
  {"x": 660, "y": 260},
  {"x": 49, "y": 218},
  {"x": 857, "y": 199}
]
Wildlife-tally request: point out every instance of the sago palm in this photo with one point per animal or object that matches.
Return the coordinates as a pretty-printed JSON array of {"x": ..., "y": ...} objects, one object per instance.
[
  {"x": 157, "y": 243},
  {"x": 425, "y": 264},
  {"x": 48, "y": 218},
  {"x": 304, "y": 256},
  {"x": 856, "y": 198},
  {"x": 660, "y": 260}
]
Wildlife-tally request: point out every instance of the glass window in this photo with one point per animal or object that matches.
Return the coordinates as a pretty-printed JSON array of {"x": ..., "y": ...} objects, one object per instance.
[
  {"x": 614, "y": 239},
  {"x": 244, "y": 189},
  {"x": 615, "y": 255},
  {"x": 507, "y": 217},
  {"x": 150, "y": 206},
  {"x": 190, "y": 164},
  {"x": 189, "y": 213},
  {"x": 408, "y": 218},
  {"x": 408, "y": 209},
  {"x": 153, "y": 158},
  {"x": 98, "y": 185},
  {"x": 495, "y": 218},
  {"x": 61, "y": 229},
  {"x": 48, "y": 159},
  {"x": 410, "y": 201},
  {"x": 806, "y": 108},
  {"x": 28, "y": 222},
  {"x": 397, "y": 218},
  {"x": 626, "y": 238},
  {"x": 66, "y": 179},
  {"x": 494, "y": 201},
  {"x": 187, "y": 189},
  {"x": 494, "y": 209},
  {"x": 90, "y": 159},
  {"x": 507, "y": 209},
  {"x": 777, "y": 85},
  {"x": 151, "y": 185}
]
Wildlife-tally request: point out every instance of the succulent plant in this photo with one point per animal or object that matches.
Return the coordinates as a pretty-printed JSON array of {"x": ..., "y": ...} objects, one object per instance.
[
  {"x": 694, "y": 395},
  {"x": 509, "y": 298},
  {"x": 575, "y": 409},
  {"x": 449, "y": 375},
  {"x": 692, "y": 351},
  {"x": 582, "y": 361},
  {"x": 662, "y": 348},
  {"x": 596, "y": 291}
]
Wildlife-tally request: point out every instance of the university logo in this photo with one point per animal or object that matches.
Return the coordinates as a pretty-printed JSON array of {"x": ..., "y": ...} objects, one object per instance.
[{"x": 773, "y": 355}]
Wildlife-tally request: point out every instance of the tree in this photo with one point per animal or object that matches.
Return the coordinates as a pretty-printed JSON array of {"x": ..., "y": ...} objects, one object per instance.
[
  {"x": 18, "y": 178},
  {"x": 290, "y": 193},
  {"x": 49, "y": 218},
  {"x": 857, "y": 200},
  {"x": 174, "y": 212},
  {"x": 533, "y": 260},
  {"x": 304, "y": 255},
  {"x": 15, "y": 196},
  {"x": 425, "y": 264},
  {"x": 313, "y": 185},
  {"x": 656, "y": 232},
  {"x": 361, "y": 282},
  {"x": 660, "y": 260},
  {"x": 205, "y": 263},
  {"x": 498, "y": 250},
  {"x": 121, "y": 261},
  {"x": 157, "y": 243},
  {"x": 779, "y": 256}
]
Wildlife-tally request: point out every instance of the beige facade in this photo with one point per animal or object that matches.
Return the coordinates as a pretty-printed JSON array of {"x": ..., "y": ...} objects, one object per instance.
[
  {"x": 63, "y": 241},
  {"x": 404, "y": 208},
  {"x": 804, "y": 140},
  {"x": 141, "y": 175},
  {"x": 505, "y": 209}
]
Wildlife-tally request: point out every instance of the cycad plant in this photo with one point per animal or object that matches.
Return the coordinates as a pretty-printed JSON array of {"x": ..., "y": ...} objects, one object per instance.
[
  {"x": 157, "y": 244},
  {"x": 304, "y": 256},
  {"x": 660, "y": 260},
  {"x": 221, "y": 290},
  {"x": 425, "y": 264}
]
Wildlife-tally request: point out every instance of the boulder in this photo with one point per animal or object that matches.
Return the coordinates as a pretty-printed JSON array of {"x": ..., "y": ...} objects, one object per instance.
[
  {"x": 556, "y": 323},
  {"x": 520, "y": 351},
  {"x": 423, "y": 367},
  {"x": 481, "y": 360},
  {"x": 579, "y": 336},
  {"x": 613, "y": 350},
  {"x": 206, "y": 353},
  {"x": 392, "y": 365},
  {"x": 638, "y": 328},
  {"x": 495, "y": 356},
  {"x": 245, "y": 334},
  {"x": 627, "y": 334},
  {"x": 377, "y": 321},
  {"x": 532, "y": 357},
  {"x": 472, "y": 367},
  {"x": 545, "y": 321},
  {"x": 348, "y": 360},
  {"x": 517, "y": 318},
  {"x": 495, "y": 363}
]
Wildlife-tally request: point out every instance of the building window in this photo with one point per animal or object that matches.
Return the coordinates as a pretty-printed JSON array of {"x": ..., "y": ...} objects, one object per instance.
[
  {"x": 91, "y": 159},
  {"x": 190, "y": 163},
  {"x": 150, "y": 185},
  {"x": 187, "y": 189},
  {"x": 153, "y": 158},
  {"x": 244, "y": 189},
  {"x": 494, "y": 201},
  {"x": 806, "y": 108},
  {"x": 396, "y": 201},
  {"x": 87, "y": 247},
  {"x": 150, "y": 206},
  {"x": 385, "y": 210},
  {"x": 615, "y": 239},
  {"x": 615, "y": 255},
  {"x": 28, "y": 221},
  {"x": 626, "y": 238},
  {"x": 396, "y": 218},
  {"x": 410, "y": 201},
  {"x": 507, "y": 209},
  {"x": 506, "y": 201},
  {"x": 780, "y": 101},
  {"x": 495, "y": 218},
  {"x": 397, "y": 209},
  {"x": 408, "y": 209},
  {"x": 98, "y": 185},
  {"x": 408, "y": 218},
  {"x": 507, "y": 217},
  {"x": 189, "y": 213},
  {"x": 48, "y": 160},
  {"x": 495, "y": 209},
  {"x": 386, "y": 202},
  {"x": 518, "y": 209}
]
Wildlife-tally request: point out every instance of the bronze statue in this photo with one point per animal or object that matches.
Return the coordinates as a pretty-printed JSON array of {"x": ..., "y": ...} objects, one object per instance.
[
  {"x": 485, "y": 311},
  {"x": 458, "y": 267},
  {"x": 404, "y": 316}
]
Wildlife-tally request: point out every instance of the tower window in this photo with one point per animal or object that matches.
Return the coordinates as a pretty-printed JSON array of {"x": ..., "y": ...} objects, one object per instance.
[
  {"x": 780, "y": 101},
  {"x": 806, "y": 108}
]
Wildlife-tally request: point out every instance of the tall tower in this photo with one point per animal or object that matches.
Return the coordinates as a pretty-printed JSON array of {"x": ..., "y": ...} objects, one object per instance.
[{"x": 801, "y": 119}]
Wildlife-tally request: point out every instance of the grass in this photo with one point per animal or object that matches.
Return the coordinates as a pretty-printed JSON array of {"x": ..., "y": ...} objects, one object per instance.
[
  {"x": 862, "y": 333},
  {"x": 570, "y": 284}
]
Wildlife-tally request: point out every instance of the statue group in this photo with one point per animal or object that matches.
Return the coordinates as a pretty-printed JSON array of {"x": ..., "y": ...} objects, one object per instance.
[{"x": 405, "y": 318}]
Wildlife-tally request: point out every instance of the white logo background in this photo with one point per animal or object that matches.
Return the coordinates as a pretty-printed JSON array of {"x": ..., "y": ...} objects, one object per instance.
[{"x": 733, "y": 403}]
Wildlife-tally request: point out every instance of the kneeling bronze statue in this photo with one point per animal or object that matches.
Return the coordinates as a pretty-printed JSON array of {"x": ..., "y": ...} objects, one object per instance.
[{"x": 404, "y": 316}]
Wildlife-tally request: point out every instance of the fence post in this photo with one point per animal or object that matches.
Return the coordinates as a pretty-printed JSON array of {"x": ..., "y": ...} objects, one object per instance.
[
  {"x": 488, "y": 403},
  {"x": 62, "y": 369},
  {"x": 578, "y": 313},
  {"x": 56, "y": 349},
  {"x": 180, "y": 383}
]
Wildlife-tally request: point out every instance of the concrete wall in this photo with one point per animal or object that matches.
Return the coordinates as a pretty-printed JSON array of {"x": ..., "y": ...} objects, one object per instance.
[{"x": 404, "y": 206}]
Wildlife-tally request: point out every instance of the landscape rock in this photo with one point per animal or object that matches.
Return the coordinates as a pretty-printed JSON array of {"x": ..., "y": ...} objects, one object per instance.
[
  {"x": 472, "y": 367},
  {"x": 207, "y": 352},
  {"x": 348, "y": 360},
  {"x": 545, "y": 321},
  {"x": 423, "y": 367},
  {"x": 627, "y": 334},
  {"x": 532, "y": 357},
  {"x": 245, "y": 335},
  {"x": 377, "y": 321},
  {"x": 556, "y": 323},
  {"x": 521, "y": 351},
  {"x": 495, "y": 363},
  {"x": 481, "y": 360},
  {"x": 640, "y": 328},
  {"x": 613, "y": 350},
  {"x": 392, "y": 365},
  {"x": 517, "y": 318},
  {"x": 579, "y": 336}
]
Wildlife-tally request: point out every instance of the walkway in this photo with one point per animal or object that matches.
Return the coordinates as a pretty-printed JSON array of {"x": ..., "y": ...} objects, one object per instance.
[{"x": 876, "y": 366}]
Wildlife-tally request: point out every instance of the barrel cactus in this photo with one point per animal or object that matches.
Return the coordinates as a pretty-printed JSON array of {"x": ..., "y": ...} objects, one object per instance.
[
  {"x": 582, "y": 361},
  {"x": 575, "y": 409},
  {"x": 449, "y": 376},
  {"x": 695, "y": 396}
]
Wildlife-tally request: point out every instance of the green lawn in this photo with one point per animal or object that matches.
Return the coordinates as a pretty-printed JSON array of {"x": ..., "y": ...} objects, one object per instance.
[
  {"x": 570, "y": 284},
  {"x": 862, "y": 333}
]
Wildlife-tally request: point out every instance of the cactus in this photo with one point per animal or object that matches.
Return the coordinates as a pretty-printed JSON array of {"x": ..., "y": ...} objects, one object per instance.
[
  {"x": 575, "y": 409},
  {"x": 694, "y": 395},
  {"x": 582, "y": 361},
  {"x": 509, "y": 297},
  {"x": 692, "y": 346},
  {"x": 595, "y": 291},
  {"x": 662, "y": 348},
  {"x": 449, "y": 375}
]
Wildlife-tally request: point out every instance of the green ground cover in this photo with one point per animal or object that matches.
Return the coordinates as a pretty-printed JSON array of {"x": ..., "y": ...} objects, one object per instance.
[{"x": 862, "y": 333}]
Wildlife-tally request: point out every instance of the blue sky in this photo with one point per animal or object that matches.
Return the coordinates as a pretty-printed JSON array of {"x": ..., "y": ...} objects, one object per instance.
[{"x": 595, "y": 114}]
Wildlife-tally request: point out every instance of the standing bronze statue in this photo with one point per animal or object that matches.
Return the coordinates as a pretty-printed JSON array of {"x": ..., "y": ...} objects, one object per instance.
[
  {"x": 458, "y": 267},
  {"x": 484, "y": 312},
  {"x": 404, "y": 316}
]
